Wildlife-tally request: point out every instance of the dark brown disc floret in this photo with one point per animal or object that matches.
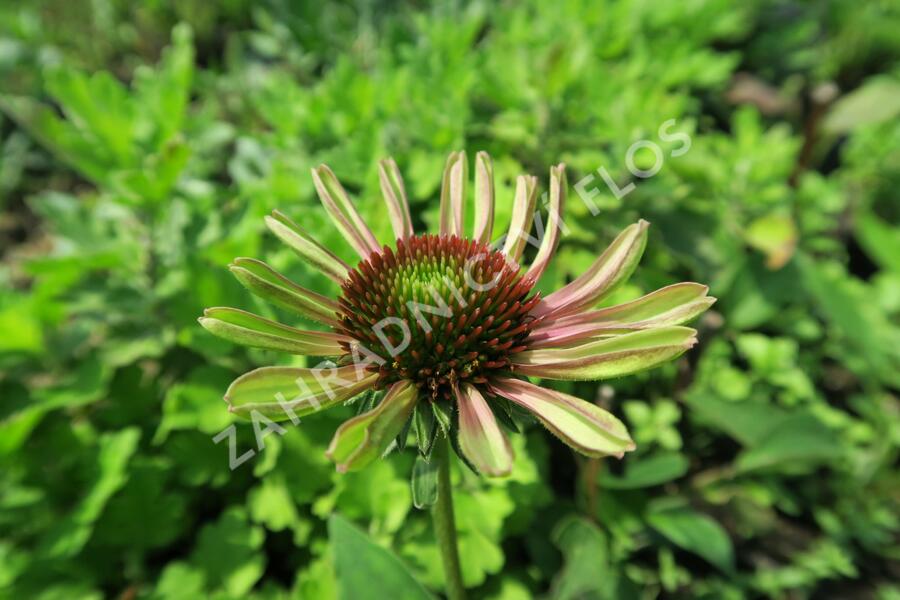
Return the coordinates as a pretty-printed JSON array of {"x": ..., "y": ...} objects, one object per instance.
[{"x": 438, "y": 310}]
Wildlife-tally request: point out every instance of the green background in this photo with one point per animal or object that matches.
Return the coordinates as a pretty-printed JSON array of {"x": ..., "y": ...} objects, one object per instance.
[{"x": 142, "y": 143}]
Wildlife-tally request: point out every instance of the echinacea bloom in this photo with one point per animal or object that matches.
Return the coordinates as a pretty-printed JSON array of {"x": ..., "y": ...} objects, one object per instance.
[{"x": 450, "y": 327}]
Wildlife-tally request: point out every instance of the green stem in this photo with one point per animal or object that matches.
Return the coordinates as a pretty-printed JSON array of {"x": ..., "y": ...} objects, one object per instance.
[{"x": 444, "y": 523}]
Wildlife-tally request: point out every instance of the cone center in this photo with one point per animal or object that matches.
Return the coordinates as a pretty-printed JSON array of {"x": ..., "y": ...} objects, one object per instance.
[{"x": 438, "y": 310}]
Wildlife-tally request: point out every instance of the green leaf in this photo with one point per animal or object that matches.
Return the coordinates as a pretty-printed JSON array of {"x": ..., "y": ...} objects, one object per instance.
[
  {"x": 748, "y": 422},
  {"x": 366, "y": 570},
  {"x": 880, "y": 239},
  {"x": 696, "y": 533},
  {"x": 642, "y": 472},
  {"x": 424, "y": 483},
  {"x": 586, "y": 572},
  {"x": 228, "y": 553},
  {"x": 180, "y": 580},
  {"x": 67, "y": 537},
  {"x": 875, "y": 102},
  {"x": 775, "y": 235},
  {"x": 872, "y": 341},
  {"x": 797, "y": 443}
]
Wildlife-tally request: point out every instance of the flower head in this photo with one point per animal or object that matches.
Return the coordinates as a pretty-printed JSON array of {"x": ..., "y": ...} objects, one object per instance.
[{"x": 448, "y": 328}]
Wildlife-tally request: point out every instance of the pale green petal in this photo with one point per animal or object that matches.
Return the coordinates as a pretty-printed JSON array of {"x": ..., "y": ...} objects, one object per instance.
[
  {"x": 480, "y": 438},
  {"x": 365, "y": 437},
  {"x": 248, "y": 329},
  {"x": 607, "y": 358},
  {"x": 282, "y": 393},
  {"x": 584, "y": 426},
  {"x": 270, "y": 285}
]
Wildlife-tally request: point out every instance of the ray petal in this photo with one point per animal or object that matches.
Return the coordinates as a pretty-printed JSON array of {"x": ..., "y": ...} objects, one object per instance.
[
  {"x": 585, "y": 427},
  {"x": 245, "y": 328},
  {"x": 484, "y": 198},
  {"x": 522, "y": 217},
  {"x": 394, "y": 193},
  {"x": 550, "y": 238},
  {"x": 307, "y": 247},
  {"x": 480, "y": 437},
  {"x": 343, "y": 212},
  {"x": 287, "y": 393},
  {"x": 612, "y": 268},
  {"x": 361, "y": 440},
  {"x": 672, "y": 305},
  {"x": 453, "y": 194},
  {"x": 607, "y": 358},
  {"x": 272, "y": 286}
]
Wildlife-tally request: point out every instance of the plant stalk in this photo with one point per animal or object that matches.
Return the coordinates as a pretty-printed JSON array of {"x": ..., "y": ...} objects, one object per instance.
[{"x": 445, "y": 523}]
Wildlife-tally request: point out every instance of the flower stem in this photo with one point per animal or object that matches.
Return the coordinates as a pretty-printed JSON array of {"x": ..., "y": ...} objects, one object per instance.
[{"x": 445, "y": 524}]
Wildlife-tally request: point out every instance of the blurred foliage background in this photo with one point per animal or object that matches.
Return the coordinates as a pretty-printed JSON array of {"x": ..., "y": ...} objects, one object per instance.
[{"x": 142, "y": 143}]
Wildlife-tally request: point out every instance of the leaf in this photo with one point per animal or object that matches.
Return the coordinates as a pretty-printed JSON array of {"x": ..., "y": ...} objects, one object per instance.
[
  {"x": 641, "y": 472},
  {"x": 775, "y": 235},
  {"x": 195, "y": 403},
  {"x": 270, "y": 504},
  {"x": 586, "y": 572},
  {"x": 163, "y": 515},
  {"x": 424, "y": 483},
  {"x": 696, "y": 533},
  {"x": 68, "y": 536},
  {"x": 748, "y": 422},
  {"x": 872, "y": 341},
  {"x": 366, "y": 570},
  {"x": 880, "y": 239},
  {"x": 798, "y": 442},
  {"x": 180, "y": 580},
  {"x": 228, "y": 553},
  {"x": 877, "y": 101}
]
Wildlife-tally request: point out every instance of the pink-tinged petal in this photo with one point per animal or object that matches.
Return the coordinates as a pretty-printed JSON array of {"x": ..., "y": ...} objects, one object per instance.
[
  {"x": 612, "y": 268},
  {"x": 550, "y": 238},
  {"x": 484, "y": 197},
  {"x": 584, "y": 426},
  {"x": 672, "y": 305},
  {"x": 364, "y": 438},
  {"x": 343, "y": 213},
  {"x": 560, "y": 336},
  {"x": 394, "y": 193},
  {"x": 248, "y": 329},
  {"x": 522, "y": 217},
  {"x": 453, "y": 194},
  {"x": 270, "y": 285},
  {"x": 480, "y": 438},
  {"x": 606, "y": 358},
  {"x": 307, "y": 247},
  {"x": 287, "y": 393}
]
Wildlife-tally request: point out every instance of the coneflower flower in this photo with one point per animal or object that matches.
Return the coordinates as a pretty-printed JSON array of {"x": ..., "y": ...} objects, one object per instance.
[{"x": 449, "y": 327}]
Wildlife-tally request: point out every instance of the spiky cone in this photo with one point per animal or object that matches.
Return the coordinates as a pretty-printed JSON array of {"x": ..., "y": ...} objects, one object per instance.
[{"x": 449, "y": 326}]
